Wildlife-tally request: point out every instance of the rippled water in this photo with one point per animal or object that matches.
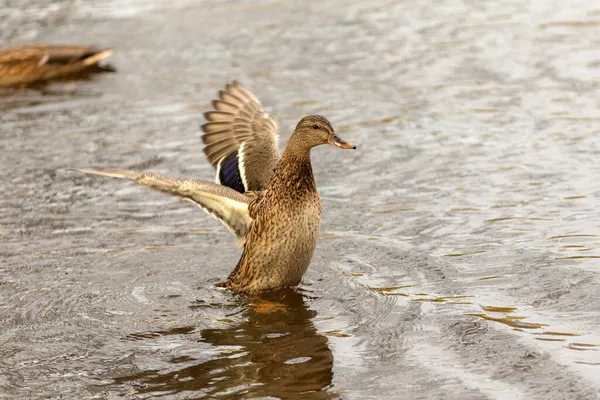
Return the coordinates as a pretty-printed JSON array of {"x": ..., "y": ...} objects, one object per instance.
[{"x": 460, "y": 244}]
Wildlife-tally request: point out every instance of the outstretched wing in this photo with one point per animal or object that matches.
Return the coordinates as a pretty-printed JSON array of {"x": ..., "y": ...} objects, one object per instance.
[
  {"x": 223, "y": 203},
  {"x": 241, "y": 140}
]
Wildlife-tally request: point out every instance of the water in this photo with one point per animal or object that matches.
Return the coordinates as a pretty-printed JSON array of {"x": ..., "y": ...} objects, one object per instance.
[{"x": 459, "y": 248}]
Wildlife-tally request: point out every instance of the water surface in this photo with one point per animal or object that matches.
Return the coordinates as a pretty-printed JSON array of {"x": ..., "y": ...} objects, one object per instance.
[{"x": 460, "y": 244}]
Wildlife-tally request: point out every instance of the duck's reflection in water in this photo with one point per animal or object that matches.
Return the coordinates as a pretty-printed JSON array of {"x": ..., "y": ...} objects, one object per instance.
[{"x": 278, "y": 353}]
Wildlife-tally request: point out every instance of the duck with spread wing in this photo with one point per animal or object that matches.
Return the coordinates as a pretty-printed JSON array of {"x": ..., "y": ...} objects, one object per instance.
[{"x": 269, "y": 202}]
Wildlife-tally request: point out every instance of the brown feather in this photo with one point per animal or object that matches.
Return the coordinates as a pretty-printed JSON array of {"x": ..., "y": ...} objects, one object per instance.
[
  {"x": 239, "y": 119},
  {"x": 229, "y": 98},
  {"x": 218, "y": 116},
  {"x": 221, "y": 105}
]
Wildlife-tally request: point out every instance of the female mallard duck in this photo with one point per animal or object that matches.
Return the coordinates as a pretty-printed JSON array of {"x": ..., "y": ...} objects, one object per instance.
[
  {"x": 269, "y": 202},
  {"x": 27, "y": 64}
]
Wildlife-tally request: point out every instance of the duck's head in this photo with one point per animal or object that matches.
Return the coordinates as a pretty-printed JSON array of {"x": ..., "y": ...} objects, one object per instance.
[{"x": 315, "y": 130}]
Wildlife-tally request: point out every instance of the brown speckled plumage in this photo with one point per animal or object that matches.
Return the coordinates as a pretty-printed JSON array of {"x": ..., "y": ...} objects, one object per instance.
[
  {"x": 282, "y": 237},
  {"x": 278, "y": 223},
  {"x": 21, "y": 65}
]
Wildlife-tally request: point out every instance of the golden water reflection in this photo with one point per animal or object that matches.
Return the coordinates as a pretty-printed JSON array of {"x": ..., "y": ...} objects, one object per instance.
[{"x": 275, "y": 352}]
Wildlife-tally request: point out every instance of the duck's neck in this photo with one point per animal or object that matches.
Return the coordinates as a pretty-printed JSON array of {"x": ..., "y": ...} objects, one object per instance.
[
  {"x": 296, "y": 149},
  {"x": 294, "y": 168}
]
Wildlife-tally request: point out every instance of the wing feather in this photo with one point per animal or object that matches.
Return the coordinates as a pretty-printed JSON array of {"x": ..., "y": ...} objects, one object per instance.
[
  {"x": 225, "y": 204},
  {"x": 239, "y": 119}
]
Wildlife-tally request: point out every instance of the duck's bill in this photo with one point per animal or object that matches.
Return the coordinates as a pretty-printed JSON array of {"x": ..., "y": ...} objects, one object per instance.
[{"x": 342, "y": 144}]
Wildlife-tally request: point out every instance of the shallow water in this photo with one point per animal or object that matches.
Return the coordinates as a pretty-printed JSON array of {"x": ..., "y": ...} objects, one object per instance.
[{"x": 460, "y": 243}]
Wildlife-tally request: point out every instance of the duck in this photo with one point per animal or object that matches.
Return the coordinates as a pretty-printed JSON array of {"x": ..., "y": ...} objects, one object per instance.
[
  {"x": 267, "y": 200},
  {"x": 27, "y": 64}
]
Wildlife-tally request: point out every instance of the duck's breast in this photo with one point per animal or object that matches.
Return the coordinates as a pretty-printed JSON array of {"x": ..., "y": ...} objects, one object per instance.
[{"x": 281, "y": 243}]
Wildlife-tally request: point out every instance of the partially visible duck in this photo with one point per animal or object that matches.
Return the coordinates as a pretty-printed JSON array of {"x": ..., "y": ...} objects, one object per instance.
[
  {"x": 26, "y": 64},
  {"x": 269, "y": 202}
]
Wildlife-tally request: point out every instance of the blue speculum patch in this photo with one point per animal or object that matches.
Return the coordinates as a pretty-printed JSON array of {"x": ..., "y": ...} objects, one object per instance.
[{"x": 230, "y": 174}]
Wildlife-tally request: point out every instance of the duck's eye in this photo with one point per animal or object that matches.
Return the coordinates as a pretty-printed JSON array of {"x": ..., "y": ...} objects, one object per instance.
[{"x": 315, "y": 126}]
